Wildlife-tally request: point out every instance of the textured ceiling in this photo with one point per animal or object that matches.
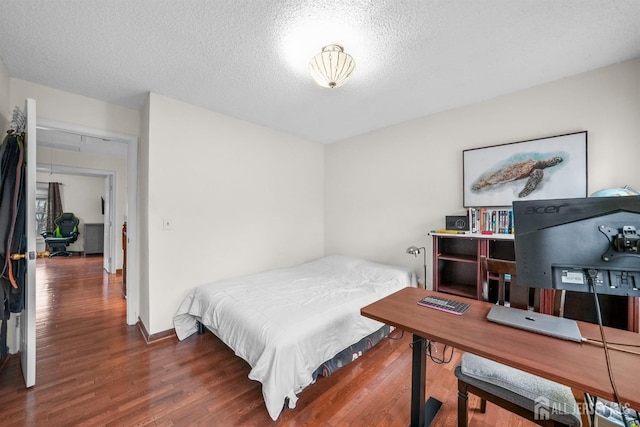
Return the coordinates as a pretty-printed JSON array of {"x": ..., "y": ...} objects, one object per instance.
[{"x": 249, "y": 58}]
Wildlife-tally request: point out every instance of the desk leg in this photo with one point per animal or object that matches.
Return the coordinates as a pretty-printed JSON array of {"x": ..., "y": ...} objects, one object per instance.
[{"x": 421, "y": 414}]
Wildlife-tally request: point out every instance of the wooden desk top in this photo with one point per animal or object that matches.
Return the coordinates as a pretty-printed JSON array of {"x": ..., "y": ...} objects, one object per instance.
[{"x": 581, "y": 366}]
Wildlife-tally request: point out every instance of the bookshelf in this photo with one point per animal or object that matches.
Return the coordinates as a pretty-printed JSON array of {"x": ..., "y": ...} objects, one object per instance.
[{"x": 456, "y": 261}]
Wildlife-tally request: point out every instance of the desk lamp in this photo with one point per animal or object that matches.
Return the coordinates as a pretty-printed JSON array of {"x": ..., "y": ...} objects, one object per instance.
[{"x": 413, "y": 250}]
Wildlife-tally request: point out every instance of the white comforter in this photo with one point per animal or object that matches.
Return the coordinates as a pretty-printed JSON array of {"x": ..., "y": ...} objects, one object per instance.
[{"x": 285, "y": 323}]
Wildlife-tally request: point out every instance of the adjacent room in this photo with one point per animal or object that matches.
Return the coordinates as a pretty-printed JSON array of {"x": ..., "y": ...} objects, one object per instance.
[{"x": 268, "y": 195}]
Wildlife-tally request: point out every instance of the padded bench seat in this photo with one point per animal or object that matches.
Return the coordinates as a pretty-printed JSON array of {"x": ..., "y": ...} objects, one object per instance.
[{"x": 536, "y": 395}]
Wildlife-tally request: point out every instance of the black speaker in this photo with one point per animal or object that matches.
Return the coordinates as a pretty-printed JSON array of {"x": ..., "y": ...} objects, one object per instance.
[{"x": 458, "y": 223}]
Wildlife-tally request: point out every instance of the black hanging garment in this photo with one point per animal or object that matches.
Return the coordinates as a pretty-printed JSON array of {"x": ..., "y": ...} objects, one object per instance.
[{"x": 12, "y": 230}]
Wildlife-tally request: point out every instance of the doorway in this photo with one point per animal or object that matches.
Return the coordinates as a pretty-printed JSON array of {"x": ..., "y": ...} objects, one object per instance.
[
  {"x": 90, "y": 194},
  {"x": 76, "y": 140}
]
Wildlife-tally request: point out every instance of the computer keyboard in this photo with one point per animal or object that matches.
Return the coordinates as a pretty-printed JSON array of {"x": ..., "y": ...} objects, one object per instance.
[{"x": 444, "y": 304}]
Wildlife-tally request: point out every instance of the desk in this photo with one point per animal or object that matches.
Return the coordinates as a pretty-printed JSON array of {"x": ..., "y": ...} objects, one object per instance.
[{"x": 580, "y": 366}]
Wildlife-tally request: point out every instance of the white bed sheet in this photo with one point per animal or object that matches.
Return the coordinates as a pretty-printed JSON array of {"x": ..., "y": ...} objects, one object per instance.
[{"x": 287, "y": 322}]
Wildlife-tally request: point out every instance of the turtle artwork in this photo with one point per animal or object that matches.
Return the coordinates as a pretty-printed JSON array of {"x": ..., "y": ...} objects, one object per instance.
[{"x": 512, "y": 169}]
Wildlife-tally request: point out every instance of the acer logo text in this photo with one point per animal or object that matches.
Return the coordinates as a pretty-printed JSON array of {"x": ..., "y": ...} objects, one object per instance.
[{"x": 548, "y": 209}]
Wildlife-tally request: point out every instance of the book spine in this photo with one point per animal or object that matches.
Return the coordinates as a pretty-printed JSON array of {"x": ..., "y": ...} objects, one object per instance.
[
  {"x": 512, "y": 228},
  {"x": 494, "y": 222},
  {"x": 474, "y": 220}
]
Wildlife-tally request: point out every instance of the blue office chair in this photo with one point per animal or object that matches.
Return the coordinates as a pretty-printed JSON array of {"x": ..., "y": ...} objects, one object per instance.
[{"x": 66, "y": 232}]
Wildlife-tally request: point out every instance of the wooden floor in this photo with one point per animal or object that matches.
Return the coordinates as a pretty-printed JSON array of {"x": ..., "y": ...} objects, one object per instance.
[{"x": 93, "y": 369}]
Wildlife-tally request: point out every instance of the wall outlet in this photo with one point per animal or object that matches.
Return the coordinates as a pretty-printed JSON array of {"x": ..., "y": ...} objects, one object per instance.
[{"x": 167, "y": 224}]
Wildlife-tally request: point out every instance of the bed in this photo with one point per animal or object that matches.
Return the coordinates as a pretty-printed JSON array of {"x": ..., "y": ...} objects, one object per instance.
[{"x": 286, "y": 323}]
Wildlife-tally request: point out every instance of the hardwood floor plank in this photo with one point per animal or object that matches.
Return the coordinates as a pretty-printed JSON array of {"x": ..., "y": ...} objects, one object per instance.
[{"x": 94, "y": 370}]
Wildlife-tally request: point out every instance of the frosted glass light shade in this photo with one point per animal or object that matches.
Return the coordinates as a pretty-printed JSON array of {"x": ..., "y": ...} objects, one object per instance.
[{"x": 332, "y": 67}]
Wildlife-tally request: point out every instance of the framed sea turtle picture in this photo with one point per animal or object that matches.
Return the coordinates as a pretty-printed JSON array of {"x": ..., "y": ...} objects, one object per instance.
[{"x": 553, "y": 167}]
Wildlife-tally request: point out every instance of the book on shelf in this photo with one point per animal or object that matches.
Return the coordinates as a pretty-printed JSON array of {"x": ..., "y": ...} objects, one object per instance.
[
  {"x": 491, "y": 221},
  {"x": 445, "y": 231}
]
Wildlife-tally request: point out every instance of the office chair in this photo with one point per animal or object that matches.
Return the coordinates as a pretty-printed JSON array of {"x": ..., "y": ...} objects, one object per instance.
[
  {"x": 519, "y": 392},
  {"x": 66, "y": 232}
]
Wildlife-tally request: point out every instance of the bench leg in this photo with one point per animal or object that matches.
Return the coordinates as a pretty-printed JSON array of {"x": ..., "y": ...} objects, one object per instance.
[{"x": 463, "y": 399}]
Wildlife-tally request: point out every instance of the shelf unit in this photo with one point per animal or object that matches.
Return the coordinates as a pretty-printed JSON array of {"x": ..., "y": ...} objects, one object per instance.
[{"x": 456, "y": 260}]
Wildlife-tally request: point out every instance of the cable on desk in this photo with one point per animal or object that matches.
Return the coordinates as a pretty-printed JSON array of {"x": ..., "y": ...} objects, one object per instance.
[
  {"x": 623, "y": 350},
  {"x": 592, "y": 341}
]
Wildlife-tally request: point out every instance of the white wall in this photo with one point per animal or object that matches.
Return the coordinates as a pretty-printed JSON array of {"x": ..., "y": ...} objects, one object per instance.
[
  {"x": 58, "y": 105},
  {"x": 241, "y": 199},
  {"x": 387, "y": 189},
  {"x": 5, "y": 109},
  {"x": 65, "y": 107},
  {"x": 80, "y": 195}
]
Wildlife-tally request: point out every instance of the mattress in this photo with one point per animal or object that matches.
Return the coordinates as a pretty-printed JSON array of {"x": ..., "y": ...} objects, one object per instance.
[{"x": 285, "y": 323}]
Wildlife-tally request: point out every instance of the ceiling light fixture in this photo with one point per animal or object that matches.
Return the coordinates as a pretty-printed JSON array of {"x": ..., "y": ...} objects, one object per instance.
[{"x": 332, "y": 67}]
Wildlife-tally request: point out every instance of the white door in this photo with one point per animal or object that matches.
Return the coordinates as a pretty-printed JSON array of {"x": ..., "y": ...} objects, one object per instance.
[{"x": 28, "y": 316}]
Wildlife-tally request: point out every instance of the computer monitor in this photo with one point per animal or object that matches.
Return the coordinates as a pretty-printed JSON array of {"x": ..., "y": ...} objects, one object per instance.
[{"x": 559, "y": 243}]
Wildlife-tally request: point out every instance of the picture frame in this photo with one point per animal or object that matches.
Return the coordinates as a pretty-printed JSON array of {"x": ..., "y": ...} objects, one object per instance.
[{"x": 553, "y": 167}]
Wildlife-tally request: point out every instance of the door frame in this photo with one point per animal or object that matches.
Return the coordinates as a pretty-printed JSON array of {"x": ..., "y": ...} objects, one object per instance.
[
  {"x": 109, "y": 213},
  {"x": 132, "y": 206}
]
